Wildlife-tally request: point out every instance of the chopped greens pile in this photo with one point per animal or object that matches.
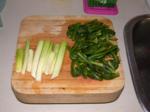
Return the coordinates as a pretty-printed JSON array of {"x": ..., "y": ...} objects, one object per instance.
[
  {"x": 94, "y": 53},
  {"x": 102, "y": 3}
]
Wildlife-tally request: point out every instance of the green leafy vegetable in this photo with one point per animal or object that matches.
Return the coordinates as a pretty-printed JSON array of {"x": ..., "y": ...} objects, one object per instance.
[
  {"x": 102, "y": 3},
  {"x": 94, "y": 53}
]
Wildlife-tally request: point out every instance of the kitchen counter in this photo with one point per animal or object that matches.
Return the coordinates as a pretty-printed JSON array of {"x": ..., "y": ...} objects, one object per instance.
[{"x": 12, "y": 15}]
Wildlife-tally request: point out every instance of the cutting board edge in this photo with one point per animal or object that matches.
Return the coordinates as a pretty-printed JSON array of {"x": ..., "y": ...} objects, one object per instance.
[
  {"x": 67, "y": 98},
  {"x": 121, "y": 86},
  {"x": 84, "y": 17}
]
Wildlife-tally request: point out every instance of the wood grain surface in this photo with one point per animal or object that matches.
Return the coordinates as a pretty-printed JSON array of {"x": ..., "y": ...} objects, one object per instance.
[{"x": 65, "y": 88}]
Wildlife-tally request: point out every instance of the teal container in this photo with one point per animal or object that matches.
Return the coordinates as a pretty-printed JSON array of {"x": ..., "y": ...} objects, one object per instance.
[{"x": 2, "y": 5}]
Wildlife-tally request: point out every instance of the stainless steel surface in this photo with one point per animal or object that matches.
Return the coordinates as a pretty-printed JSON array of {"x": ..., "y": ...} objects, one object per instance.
[
  {"x": 136, "y": 35},
  {"x": 16, "y": 10},
  {"x": 148, "y": 3}
]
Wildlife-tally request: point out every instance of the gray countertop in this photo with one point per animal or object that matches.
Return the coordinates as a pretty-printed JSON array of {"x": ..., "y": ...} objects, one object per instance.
[{"x": 12, "y": 15}]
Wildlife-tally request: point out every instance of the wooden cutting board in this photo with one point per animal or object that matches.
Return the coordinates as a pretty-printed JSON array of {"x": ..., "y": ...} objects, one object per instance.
[{"x": 65, "y": 88}]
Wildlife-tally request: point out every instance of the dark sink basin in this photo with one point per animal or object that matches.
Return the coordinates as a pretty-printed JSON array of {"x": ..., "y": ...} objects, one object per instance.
[{"x": 137, "y": 42}]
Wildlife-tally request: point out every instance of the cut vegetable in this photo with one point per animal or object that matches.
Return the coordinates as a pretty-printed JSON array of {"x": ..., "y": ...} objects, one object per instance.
[
  {"x": 93, "y": 42},
  {"x": 36, "y": 58},
  {"x": 19, "y": 59},
  {"x": 56, "y": 50},
  {"x": 42, "y": 60},
  {"x": 48, "y": 58},
  {"x": 24, "y": 67},
  {"x": 59, "y": 60},
  {"x": 30, "y": 60}
]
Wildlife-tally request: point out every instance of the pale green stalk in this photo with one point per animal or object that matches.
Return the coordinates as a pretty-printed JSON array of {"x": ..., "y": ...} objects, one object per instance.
[
  {"x": 30, "y": 60},
  {"x": 48, "y": 60},
  {"x": 42, "y": 60},
  {"x": 59, "y": 60},
  {"x": 56, "y": 50},
  {"x": 36, "y": 58},
  {"x": 24, "y": 67},
  {"x": 19, "y": 59}
]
